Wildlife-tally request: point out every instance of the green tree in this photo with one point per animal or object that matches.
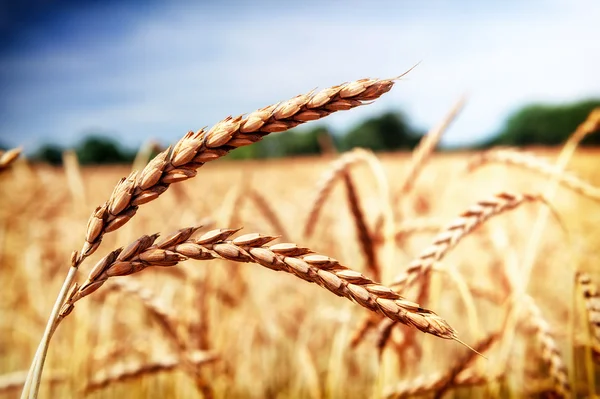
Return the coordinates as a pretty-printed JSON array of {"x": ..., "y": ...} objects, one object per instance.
[
  {"x": 545, "y": 124},
  {"x": 101, "y": 150},
  {"x": 49, "y": 153},
  {"x": 279, "y": 145},
  {"x": 387, "y": 132}
]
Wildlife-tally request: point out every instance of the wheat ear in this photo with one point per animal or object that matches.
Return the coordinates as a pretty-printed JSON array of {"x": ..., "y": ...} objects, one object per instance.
[
  {"x": 550, "y": 353},
  {"x": 467, "y": 222},
  {"x": 8, "y": 157},
  {"x": 251, "y": 248}
]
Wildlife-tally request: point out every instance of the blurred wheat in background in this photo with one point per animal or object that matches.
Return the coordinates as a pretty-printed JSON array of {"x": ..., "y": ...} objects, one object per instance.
[{"x": 500, "y": 245}]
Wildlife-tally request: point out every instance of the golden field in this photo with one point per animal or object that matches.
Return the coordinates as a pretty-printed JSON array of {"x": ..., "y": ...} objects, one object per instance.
[{"x": 253, "y": 332}]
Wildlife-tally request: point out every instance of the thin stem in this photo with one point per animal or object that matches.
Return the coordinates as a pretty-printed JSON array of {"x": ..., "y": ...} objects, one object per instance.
[{"x": 32, "y": 384}]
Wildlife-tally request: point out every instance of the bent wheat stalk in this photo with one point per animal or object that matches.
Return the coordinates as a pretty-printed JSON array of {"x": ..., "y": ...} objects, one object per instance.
[
  {"x": 263, "y": 205},
  {"x": 533, "y": 163},
  {"x": 190, "y": 153},
  {"x": 365, "y": 237},
  {"x": 130, "y": 370},
  {"x": 337, "y": 169},
  {"x": 426, "y": 147}
]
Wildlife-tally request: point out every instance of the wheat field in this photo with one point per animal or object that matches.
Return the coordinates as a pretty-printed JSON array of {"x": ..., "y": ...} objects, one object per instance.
[{"x": 492, "y": 255}]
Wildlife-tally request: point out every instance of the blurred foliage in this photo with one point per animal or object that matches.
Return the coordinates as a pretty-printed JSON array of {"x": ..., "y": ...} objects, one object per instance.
[
  {"x": 540, "y": 124},
  {"x": 388, "y": 132},
  {"x": 293, "y": 142},
  {"x": 49, "y": 153},
  {"x": 536, "y": 124},
  {"x": 94, "y": 149}
]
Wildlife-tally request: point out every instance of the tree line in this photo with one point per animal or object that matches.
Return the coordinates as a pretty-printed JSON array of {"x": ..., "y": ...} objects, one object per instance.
[{"x": 535, "y": 124}]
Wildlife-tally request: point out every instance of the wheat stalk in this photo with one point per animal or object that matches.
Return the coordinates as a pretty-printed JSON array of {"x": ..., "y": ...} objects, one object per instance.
[
  {"x": 15, "y": 380},
  {"x": 533, "y": 163},
  {"x": 365, "y": 237},
  {"x": 8, "y": 157},
  {"x": 425, "y": 149},
  {"x": 590, "y": 125},
  {"x": 123, "y": 371},
  {"x": 263, "y": 205},
  {"x": 412, "y": 226},
  {"x": 336, "y": 170}
]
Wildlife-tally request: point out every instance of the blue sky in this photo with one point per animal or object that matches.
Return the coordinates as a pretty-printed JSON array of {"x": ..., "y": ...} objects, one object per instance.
[{"x": 158, "y": 69}]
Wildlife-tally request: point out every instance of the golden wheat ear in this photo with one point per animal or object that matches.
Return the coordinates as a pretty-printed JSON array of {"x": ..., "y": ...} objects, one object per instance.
[{"x": 252, "y": 248}]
